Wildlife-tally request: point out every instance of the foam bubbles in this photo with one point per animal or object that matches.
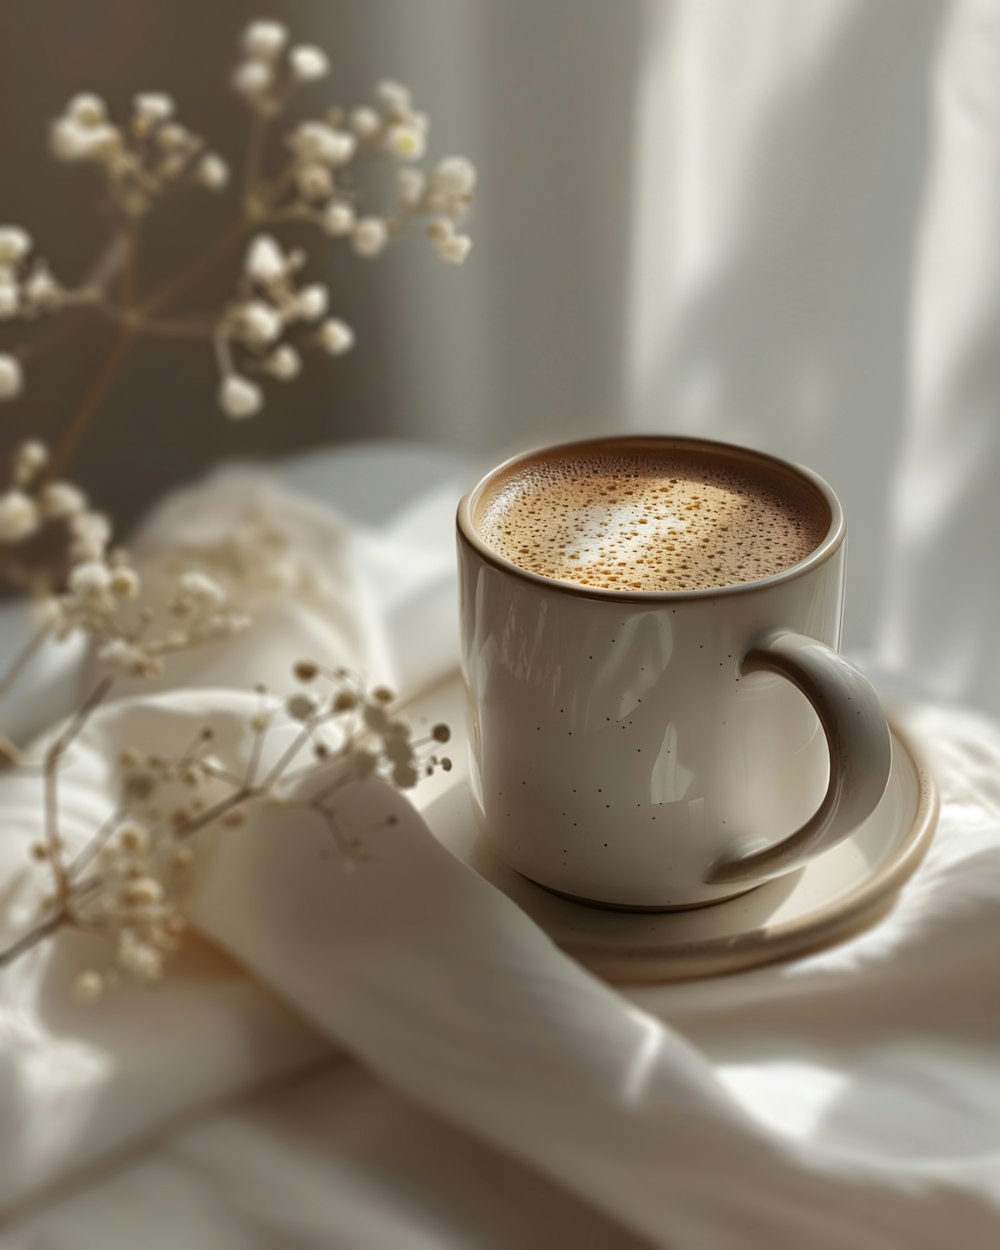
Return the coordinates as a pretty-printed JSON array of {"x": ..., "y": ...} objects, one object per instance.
[{"x": 651, "y": 520}]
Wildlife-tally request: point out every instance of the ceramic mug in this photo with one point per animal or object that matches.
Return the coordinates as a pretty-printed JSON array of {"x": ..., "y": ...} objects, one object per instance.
[{"x": 662, "y": 749}]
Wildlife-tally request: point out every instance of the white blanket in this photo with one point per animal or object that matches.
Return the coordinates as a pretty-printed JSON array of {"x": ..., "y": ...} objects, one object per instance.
[{"x": 848, "y": 1099}]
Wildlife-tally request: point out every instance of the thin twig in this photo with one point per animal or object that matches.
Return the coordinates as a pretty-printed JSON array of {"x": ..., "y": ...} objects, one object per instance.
[
  {"x": 75, "y": 428},
  {"x": 51, "y": 782},
  {"x": 187, "y": 277},
  {"x": 96, "y": 842},
  {"x": 182, "y": 328},
  {"x": 251, "y": 173},
  {"x": 32, "y": 938},
  {"x": 296, "y": 745},
  {"x": 23, "y": 658},
  {"x": 218, "y": 809}
]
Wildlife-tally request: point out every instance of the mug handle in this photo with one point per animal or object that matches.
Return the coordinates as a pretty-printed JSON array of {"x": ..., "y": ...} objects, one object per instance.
[{"x": 860, "y": 756}]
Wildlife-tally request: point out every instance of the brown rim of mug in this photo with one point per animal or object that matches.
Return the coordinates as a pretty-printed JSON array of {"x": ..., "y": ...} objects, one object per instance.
[{"x": 835, "y": 535}]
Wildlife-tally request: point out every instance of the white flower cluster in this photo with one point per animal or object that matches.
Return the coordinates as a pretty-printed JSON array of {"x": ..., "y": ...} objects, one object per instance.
[
  {"x": 445, "y": 195},
  {"x": 143, "y": 863},
  {"x": 253, "y": 334},
  {"x": 375, "y": 741},
  {"x": 27, "y": 288},
  {"x": 199, "y": 608},
  {"x": 141, "y": 157},
  {"x": 270, "y": 69},
  {"x": 145, "y": 859},
  {"x": 31, "y": 503},
  {"x": 323, "y": 150}
]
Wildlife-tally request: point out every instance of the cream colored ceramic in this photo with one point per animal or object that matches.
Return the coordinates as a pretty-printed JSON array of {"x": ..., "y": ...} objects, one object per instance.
[
  {"x": 665, "y": 749},
  {"x": 835, "y": 895}
]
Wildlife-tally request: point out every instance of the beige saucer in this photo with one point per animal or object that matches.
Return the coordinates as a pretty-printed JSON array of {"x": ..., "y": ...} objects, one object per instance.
[{"x": 833, "y": 897}]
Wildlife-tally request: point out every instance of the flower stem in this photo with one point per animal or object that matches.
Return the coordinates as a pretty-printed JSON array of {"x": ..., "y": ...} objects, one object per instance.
[
  {"x": 23, "y": 659},
  {"x": 187, "y": 277},
  {"x": 75, "y": 428},
  {"x": 32, "y": 938}
]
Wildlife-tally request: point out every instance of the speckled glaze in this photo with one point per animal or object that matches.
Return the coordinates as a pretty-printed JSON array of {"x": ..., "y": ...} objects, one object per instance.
[{"x": 647, "y": 749}]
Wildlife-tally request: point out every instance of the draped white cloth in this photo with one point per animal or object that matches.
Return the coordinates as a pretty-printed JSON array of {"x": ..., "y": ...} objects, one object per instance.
[{"x": 495, "y": 1093}]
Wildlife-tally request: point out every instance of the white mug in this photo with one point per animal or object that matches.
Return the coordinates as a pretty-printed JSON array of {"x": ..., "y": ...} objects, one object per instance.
[{"x": 663, "y": 749}]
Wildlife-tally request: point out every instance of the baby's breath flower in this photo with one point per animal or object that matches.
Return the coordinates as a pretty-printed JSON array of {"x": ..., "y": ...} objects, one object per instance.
[
  {"x": 412, "y": 184},
  {"x": 284, "y": 363},
  {"x": 173, "y": 137},
  {"x": 212, "y": 172},
  {"x": 11, "y": 377},
  {"x": 239, "y": 397},
  {"x": 128, "y": 658},
  {"x": 335, "y": 336},
  {"x": 455, "y": 175},
  {"x": 406, "y": 141},
  {"x": 88, "y": 987},
  {"x": 152, "y": 107},
  {"x": 369, "y": 236},
  {"x": 302, "y": 706},
  {"x": 455, "y": 249},
  {"x": 312, "y": 301},
  {"x": 15, "y": 244},
  {"x": 264, "y": 40},
  {"x": 143, "y": 891},
  {"x": 314, "y": 182},
  {"x": 252, "y": 79},
  {"x": 139, "y": 958},
  {"x": 61, "y": 499},
  {"x": 87, "y": 109},
  {"x": 365, "y": 122},
  {"x": 265, "y": 262},
  {"x": 90, "y": 580},
  {"x": 73, "y": 141},
  {"x": 18, "y": 516},
  {"x": 91, "y": 533},
  {"x": 316, "y": 141},
  {"x": 308, "y": 63},
  {"x": 28, "y": 459},
  {"x": 41, "y": 290},
  {"x": 198, "y": 590},
  {"x": 338, "y": 218},
  {"x": 124, "y": 583},
  {"x": 394, "y": 96},
  {"x": 259, "y": 323},
  {"x": 133, "y": 839},
  {"x": 10, "y": 300}
]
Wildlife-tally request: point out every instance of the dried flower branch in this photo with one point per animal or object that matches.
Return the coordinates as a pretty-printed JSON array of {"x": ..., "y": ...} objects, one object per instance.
[
  {"x": 151, "y": 152},
  {"x": 128, "y": 882}
]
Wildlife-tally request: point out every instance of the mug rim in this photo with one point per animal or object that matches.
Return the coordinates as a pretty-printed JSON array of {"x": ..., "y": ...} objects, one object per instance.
[{"x": 831, "y": 542}]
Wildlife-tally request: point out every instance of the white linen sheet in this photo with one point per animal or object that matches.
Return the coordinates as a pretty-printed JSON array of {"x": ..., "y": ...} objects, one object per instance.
[{"x": 497, "y": 1094}]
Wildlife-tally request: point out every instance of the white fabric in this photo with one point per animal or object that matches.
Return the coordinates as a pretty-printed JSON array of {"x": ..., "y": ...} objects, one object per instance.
[{"x": 851, "y": 1098}]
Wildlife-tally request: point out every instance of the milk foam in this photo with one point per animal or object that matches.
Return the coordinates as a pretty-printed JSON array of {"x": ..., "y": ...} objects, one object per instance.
[{"x": 651, "y": 520}]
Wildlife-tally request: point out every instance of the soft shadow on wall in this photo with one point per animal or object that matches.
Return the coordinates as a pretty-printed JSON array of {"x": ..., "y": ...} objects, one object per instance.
[{"x": 522, "y": 343}]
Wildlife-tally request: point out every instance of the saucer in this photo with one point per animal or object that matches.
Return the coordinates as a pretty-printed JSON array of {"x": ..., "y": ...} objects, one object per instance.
[{"x": 833, "y": 897}]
